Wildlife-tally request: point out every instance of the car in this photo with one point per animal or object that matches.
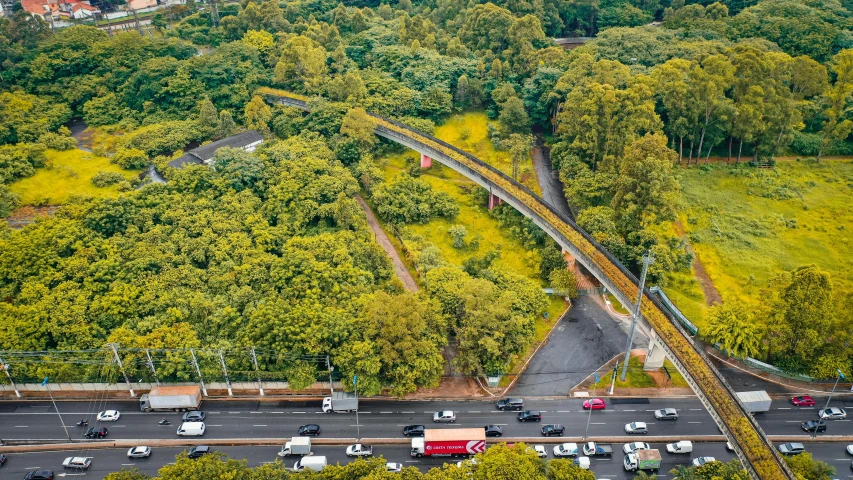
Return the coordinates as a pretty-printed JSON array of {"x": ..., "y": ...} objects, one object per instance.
[
  {"x": 540, "y": 451},
  {"x": 635, "y": 446},
  {"x": 414, "y": 431},
  {"x": 813, "y": 425},
  {"x": 699, "y": 461},
  {"x": 666, "y": 414},
  {"x": 445, "y": 416},
  {"x": 199, "y": 451},
  {"x": 730, "y": 447},
  {"x": 582, "y": 462},
  {"x": 194, "y": 416},
  {"x": 139, "y": 452},
  {"x": 312, "y": 429},
  {"x": 493, "y": 431},
  {"x": 2, "y": 459},
  {"x": 394, "y": 467},
  {"x": 832, "y": 413},
  {"x": 791, "y": 448},
  {"x": 553, "y": 430},
  {"x": 595, "y": 404},
  {"x": 469, "y": 461},
  {"x": 566, "y": 450},
  {"x": 636, "y": 427},
  {"x": 40, "y": 475},
  {"x": 803, "y": 401},
  {"x": 530, "y": 416},
  {"x": 849, "y": 450},
  {"x": 510, "y": 404},
  {"x": 109, "y": 416},
  {"x": 96, "y": 432},
  {"x": 80, "y": 463}
]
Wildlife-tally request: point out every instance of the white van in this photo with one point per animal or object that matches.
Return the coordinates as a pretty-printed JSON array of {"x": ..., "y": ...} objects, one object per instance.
[
  {"x": 191, "y": 429},
  {"x": 684, "y": 446},
  {"x": 316, "y": 463}
]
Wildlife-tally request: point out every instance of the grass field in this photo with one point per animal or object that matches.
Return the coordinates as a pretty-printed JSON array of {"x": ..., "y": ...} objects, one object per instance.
[
  {"x": 67, "y": 173},
  {"x": 748, "y": 225}
]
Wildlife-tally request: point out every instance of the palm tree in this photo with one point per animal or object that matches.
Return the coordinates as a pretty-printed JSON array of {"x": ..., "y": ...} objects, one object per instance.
[{"x": 733, "y": 327}]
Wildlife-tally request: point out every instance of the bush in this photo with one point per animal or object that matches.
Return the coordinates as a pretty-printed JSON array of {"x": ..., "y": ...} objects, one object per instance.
[
  {"x": 411, "y": 200},
  {"x": 162, "y": 137},
  {"x": 105, "y": 179},
  {"x": 130, "y": 158},
  {"x": 458, "y": 234},
  {"x": 57, "y": 141}
]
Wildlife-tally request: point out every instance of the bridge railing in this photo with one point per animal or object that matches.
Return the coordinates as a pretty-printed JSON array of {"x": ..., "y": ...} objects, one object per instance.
[{"x": 752, "y": 445}]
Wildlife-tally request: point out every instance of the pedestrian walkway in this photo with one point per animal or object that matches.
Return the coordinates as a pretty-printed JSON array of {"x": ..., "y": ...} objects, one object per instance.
[{"x": 382, "y": 239}]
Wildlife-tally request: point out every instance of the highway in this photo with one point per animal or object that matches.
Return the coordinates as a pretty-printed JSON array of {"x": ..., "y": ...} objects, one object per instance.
[{"x": 383, "y": 419}]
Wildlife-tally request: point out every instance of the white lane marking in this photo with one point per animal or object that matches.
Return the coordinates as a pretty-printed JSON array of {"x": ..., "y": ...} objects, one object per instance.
[
  {"x": 256, "y": 413},
  {"x": 267, "y": 462},
  {"x": 428, "y": 412},
  {"x": 407, "y": 412},
  {"x": 233, "y": 412},
  {"x": 694, "y": 422},
  {"x": 501, "y": 424},
  {"x": 363, "y": 412},
  {"x": 300, "y": 412},
  {"x": 32, "y": 468},
  {"x": 412, "y": 461},
  {"x": 651, "y": 410},
  {"x": 214, "y": 412},
  {"x": 259, "y": 425},
  {"x": 127, "y": 464},
  {"x": 21, "y": 426},
  {"x": 793, "y": 421},
  {"x": 564, "y": 411},
  {"x": 356, "y": 425},
  {"x": 386, "y": 412},
  {"x": 473, "y": 411},
  {"x": 593, "y": 423},
  {"x": 214, "y": 425},
  {"x": 696, "y": 409},
  {"x": 117, "y": 426},
  {"x": 629, "y": 410},
  {"x": 275, "y": 412},
  {"x": 783, "y": 408}
]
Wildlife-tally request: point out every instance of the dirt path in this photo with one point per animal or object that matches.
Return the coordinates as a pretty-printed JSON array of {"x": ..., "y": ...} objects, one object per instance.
[
  {"x": 384, "y": 242},
  {"x": 712, "y": 295}
]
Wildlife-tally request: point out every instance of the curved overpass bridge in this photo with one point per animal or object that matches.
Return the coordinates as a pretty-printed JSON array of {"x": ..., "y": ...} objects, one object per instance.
[{"x": 753, "y": 448}]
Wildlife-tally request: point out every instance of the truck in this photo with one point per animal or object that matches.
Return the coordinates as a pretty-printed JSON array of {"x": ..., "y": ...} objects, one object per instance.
[
  {"x": 593, "y": 449},
  {"x": 755, "y": 402},
  {"x": 174, "y": 399},
  {"x": 340, "y": 402},
  {"x": 642, "y": 460},
  {"x": 310, "y": 463},
  {"x": 684, "y": 446},
  {"x": 456, "y": 442},
  {"x": 296, "y": 446},
  {"x": 359, "y": 450}
]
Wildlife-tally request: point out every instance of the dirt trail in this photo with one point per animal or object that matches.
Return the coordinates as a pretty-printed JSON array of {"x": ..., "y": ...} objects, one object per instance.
[
  {"x": 384, "y": 242},
  {"x": 712, "y": 295}
]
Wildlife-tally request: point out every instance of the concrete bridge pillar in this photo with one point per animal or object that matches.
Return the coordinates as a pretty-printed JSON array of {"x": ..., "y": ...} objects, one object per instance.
[
  {"x": 494, "y": 200},
  {"x": 426, "y": 162},
  {"x": 655, "y": 354}
]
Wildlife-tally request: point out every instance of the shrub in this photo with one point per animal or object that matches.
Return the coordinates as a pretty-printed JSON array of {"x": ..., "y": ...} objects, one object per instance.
[
  {"x": 130, "y": 158},
  {"x": 411, "y": 200},
  {"x": 458, "y": 233},
  {"x": 105, "y": 179},
  {"x": 162, "y": 137},
  {"x": 57, "y": 141}
]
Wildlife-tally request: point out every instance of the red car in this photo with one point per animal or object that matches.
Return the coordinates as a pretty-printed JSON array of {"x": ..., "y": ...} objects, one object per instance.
[
  {"x": 803, "y": 401},
  {"x": 595, "y": 404}
]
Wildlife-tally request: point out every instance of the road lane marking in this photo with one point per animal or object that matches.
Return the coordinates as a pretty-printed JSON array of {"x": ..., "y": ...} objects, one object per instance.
[
  {"x": 356, "y": 425},
  {"x": 694, "y": 422},
  {"x": 127, "y": 464},
  {"x": 565, "y": 411},
  {"x": 300, "y": 412},
  {"x": 696, "y": 409},
  {"x": 412, "y": 461},
  {"x": 783, "y": 408},
  {"x": 593, "y": 423},
  {"x": 629, "y": 410},
  {"x": 276, "y": 412},
  {"x": 214, "y": 425},
  {"x": 21, "y": 426},
  {"x": 407, "y": 412},
  {"x": 363, "y": 412},
  {"x": 259, "y": 425},
  {"x": 386, "y": 412},
  {"x": 793, "y": 421},
  {"x": 214, "y": 412},
  {"x": 233, "y": 412},
  {"x": 473, "y": 411},
  {"x": 256, "y": 412},
  {"x": 32, "y": 468}
]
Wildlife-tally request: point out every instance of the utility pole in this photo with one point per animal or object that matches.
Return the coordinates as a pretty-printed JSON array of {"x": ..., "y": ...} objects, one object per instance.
[
  {"x": 151, "y": 366},
  {"x": 114, "y": 348},
  {"x": 225, "y": 372},
  {"x": 329, "y": 366},
  {"x": 357, "y": 425},
  {"x": 648, "y": 259},
  {"x": 819, "y": 416},
  {"x": 47, "y": 385},
  {"x": 214, "y": 13},
  {"x": 198, "y": 371},
  {"x": 5, "y": 367},
  {"x": 257, "y": 371}
]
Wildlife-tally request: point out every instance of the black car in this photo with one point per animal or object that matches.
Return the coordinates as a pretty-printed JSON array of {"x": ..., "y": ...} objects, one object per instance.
[
  {"x": 510, "y": 404},
  {"x": 40, "y": 475},
  {"x": 196, "y": 416},
  {"x": 493, "y": 431},
  {"x": 553, "y": 430},
  {"x": 2, "y": 459},
  {"x": 96, "y": 432},
  {"x": 198, "y": 451},
  {"x": 414, "y": 431},
  {"x": 530, "y": 416},
  {"x": 813, "y": 425},
  {"x": 310, "y": 430}
]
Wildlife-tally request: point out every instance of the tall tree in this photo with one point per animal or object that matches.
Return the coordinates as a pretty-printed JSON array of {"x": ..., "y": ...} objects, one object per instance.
[
  {"x": 258, "y": 115},
  {"x": 837, "y": 123},
  {"x": 734, "y": 328}
]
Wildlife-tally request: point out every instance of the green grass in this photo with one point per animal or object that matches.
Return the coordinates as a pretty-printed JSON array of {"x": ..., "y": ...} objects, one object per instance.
[
  {"x": 616, "y": 305},
  {"x": 635, "y": 378},
  {"x": 677, "y": 380},
  {"x": 67, "y": 174},
  {"x": 469, "y": 131},
  {"x": 744, "y": 239}
]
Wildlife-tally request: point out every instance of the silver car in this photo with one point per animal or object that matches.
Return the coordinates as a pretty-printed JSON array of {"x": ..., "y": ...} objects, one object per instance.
[
  {"x": 445, "y": 416},
  {"x": 634, "y": 446},
  {"x": 636, "y": 427},
  {"x": 666, "y": 414},
  {"x": 80, "y": 463},
  {"x": 791, "y": 448},
  {"x": 832, "y": 413},
  {"x": 139, "y": 452},
  {"x": 698, "y": 462}
]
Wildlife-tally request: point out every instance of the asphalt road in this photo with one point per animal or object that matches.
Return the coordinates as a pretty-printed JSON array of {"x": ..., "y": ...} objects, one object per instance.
[
  {"x": 105, "y": 461},
  {"x": 384, "y": 419},
  {"x": 583, "y": 341}
]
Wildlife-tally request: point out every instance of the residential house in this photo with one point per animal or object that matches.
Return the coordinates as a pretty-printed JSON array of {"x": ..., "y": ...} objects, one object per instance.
[{"x": 203, "y": 155}]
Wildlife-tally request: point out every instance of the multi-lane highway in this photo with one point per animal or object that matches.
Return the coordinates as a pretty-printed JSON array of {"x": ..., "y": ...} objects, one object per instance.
[{"x": 243, "y": 419}]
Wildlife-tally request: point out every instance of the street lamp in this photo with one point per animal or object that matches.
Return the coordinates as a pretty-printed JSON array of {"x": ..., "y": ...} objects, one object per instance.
[
  {"x": 589, "y": 417},
  {"x": 355, "y": 390},
  {"x": 820, "y": 417},
  {"x": 46, "y": 384}
]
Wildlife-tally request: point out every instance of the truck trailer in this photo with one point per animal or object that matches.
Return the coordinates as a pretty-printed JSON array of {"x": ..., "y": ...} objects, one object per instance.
[
  {"x": 755, "y": 402},
  {"x": 340, "y": 402},
  {"x": 648, "y": 460},
  {"x": 296, "y": 446},
  {"x": 455, "y": 443},
  {"x": 174, "y": 399}
]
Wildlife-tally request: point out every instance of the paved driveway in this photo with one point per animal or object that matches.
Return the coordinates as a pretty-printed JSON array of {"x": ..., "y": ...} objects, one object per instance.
[{"x": 584, "y": 340}]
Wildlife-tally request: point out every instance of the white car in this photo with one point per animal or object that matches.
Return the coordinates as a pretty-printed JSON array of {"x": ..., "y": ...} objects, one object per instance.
[
  {"x": 470, "y": 461},
  {"x": 730, "y": 447},
  {"x": 636, "y": 427},
  {"x": 582, "y": 462},
  {"x": 698, "y": 462},
  {"x": 634, "y": 446},
  {"x": 80, "y": 463},
  {"x": 139, "y": 452},
  {"x": 109, "y": 416},
  {"x": 445, "y": 416},
  {"x": 394, "y": 467},
  {"x": 540, "y": 451},
  {"x": 666, "y": 414},
  {"x": 566, "y": 450},
  {"x": 850, "y": 449},
  {"x": 832, "y": 413}
]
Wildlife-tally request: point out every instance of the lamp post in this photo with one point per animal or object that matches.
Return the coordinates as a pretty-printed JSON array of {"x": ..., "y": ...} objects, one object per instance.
[
  {"x": 648, "y": 259},
  {"x": 589, "y": 417},
  {"x": 355, "y": 390},
  {"x": 46, "y": 384},
  {"x": 820, "y": 417}
]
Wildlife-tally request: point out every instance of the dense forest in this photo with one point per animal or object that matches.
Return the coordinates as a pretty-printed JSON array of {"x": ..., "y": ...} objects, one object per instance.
[{"x": 270, "y": 249}]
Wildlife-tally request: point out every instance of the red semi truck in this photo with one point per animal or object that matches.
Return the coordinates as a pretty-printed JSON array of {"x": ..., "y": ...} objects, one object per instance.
[{"x": 449, "y": 442}]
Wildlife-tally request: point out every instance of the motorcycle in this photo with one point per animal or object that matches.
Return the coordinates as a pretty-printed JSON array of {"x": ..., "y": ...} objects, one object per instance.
[
  {"x": 164, "y": 422},
  {"x": 83, "y": 423}
]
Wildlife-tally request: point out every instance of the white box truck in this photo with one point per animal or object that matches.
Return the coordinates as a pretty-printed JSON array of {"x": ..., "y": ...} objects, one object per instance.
[
  {"x": 174, "y": 399},
  {"x": 310, "y": 463},
  {"x": 755, "y": 402},
  {"x": 340, "y": 402},
  {"x": 648, "y": 460},
  {"x": 296, "y": 446}
]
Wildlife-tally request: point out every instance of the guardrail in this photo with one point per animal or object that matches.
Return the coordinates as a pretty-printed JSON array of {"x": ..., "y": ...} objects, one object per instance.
[{"x": 753, "y": 447}]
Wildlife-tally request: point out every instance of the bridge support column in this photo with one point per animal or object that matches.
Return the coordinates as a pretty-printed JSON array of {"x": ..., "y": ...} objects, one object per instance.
[
  {"x": 494, "y": 201},
  {"x": 426, "y": 162},
  {"x": 655, "y": 354}
]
